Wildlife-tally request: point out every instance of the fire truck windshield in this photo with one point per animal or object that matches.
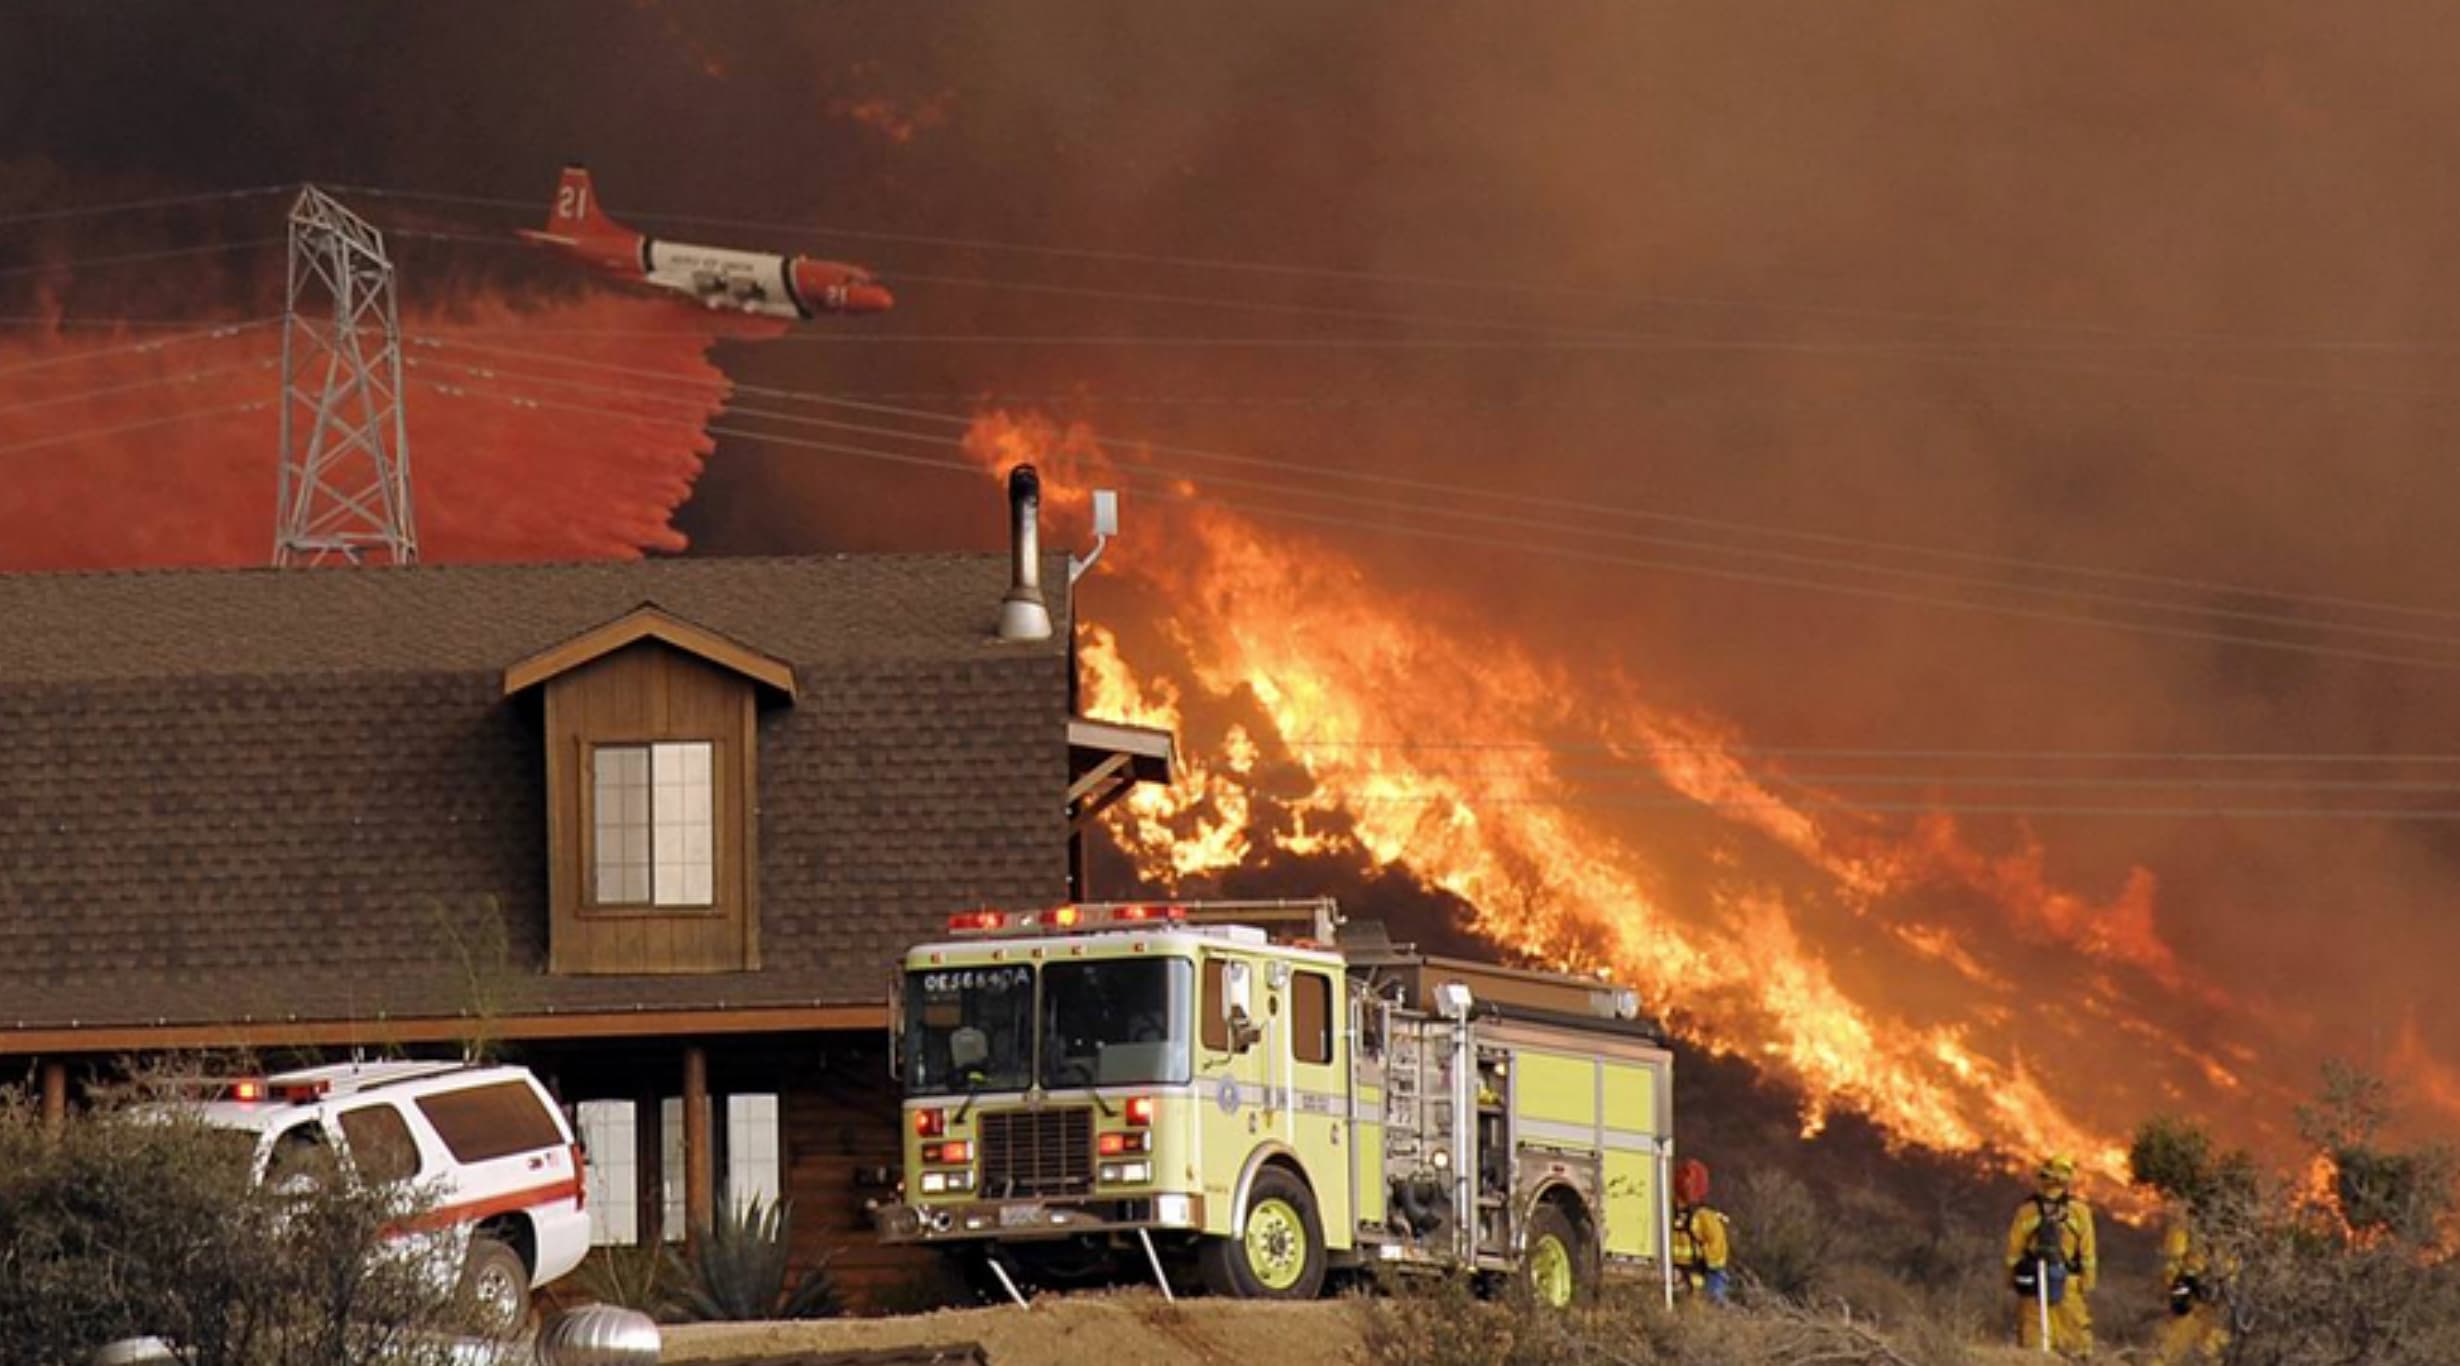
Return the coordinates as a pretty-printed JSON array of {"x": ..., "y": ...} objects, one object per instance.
[
  {"x": 1117, "y": 1022},
  {"x": 969, "y": 1029}
]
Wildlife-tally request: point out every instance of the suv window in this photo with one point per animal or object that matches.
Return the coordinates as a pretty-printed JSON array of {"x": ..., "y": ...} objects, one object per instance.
[
  {"x": 299, "y": 1154},
  {"x": 491, "y": 1121},
  {"x": 380, "y": 1143}
]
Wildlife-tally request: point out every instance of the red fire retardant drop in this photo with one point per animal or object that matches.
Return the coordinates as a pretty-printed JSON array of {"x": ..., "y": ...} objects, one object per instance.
[{"x": 131, "y": 458}]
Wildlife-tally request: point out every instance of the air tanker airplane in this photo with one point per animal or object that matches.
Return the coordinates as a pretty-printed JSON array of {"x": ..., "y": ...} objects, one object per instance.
[{"x": 720, "y": 277}]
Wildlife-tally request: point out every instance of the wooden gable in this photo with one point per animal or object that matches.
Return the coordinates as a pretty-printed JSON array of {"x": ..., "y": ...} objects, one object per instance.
[{"x": 649, "y": 684}]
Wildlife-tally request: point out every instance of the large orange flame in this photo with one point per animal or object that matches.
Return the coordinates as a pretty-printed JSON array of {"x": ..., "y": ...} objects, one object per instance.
[{"x": 1392, "y": 725}]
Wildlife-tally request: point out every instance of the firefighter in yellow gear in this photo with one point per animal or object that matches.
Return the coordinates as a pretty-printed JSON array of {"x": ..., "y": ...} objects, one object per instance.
[
  {"x": 1703, "y": 1244},
  {"x": 2051, "y": 1261},
  {"x": 2197, "y": 1330}
]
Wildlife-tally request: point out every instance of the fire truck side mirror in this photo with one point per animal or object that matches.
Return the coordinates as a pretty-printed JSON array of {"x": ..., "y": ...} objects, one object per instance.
[
  {"x": 1237, "y": 984},
  {"x": 1243, "y": 1031}
]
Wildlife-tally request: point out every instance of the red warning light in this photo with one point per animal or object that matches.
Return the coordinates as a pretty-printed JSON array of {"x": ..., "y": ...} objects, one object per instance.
[
  {"x": 1140, "y": 1110},
  {"x": 249, "y": 1090},
  {"x": 970, "y": 921}
]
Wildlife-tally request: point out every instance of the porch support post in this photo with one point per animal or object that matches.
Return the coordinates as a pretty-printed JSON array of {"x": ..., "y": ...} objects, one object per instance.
[
  {"x": 699, "y": 1167},
  {"x": 55, "y": 1095}
]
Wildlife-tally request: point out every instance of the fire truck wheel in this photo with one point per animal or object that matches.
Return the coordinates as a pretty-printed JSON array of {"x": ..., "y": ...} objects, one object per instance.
[
  {"x": 495, "y": 1288},
  {"x": 1555, "y": 1266},
  {"x": 1281, "y": 1255}
]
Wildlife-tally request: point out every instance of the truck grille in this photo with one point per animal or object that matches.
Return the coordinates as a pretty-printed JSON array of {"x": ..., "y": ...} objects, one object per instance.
[{"x": 1037, "y": 1153}]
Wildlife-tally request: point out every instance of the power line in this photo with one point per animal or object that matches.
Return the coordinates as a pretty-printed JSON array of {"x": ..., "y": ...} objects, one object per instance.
[
  {"x": 96, "y": 433},
  {"x": 221, "y": 333},
  {"x": 1587, "y": 293},
  {"x": 1574, "y": 332},
  {"x": 1540, "y": 337},
  {"x": 1638, "y": 775},
  {"x": 1482, "y": 496},
  {"x": 2324, "y": 813},
  {"x": 134, "y": 205},
  {"x": 187, "y": 377},
  {"x": 165, "y": 254},
  {"x": 37, "y": 320},
  {"x": 1162, "y": 485},
  {"x": 1836, "y": 752}
]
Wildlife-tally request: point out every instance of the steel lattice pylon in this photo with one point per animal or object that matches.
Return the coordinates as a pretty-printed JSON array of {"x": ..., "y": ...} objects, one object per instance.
[{"x": 345, "y": 482}]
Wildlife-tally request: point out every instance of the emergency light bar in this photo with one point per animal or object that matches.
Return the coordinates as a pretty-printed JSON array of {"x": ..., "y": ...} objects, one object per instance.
[
  {"x": 1063, "y": 919},
  {"x": 253, "y": 1090}
]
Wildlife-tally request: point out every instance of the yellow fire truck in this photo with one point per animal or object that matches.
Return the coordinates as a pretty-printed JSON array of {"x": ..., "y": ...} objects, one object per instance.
[{"x": 1272, "y": 1094}]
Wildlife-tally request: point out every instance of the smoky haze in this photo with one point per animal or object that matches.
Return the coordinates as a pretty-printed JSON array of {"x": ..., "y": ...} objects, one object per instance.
[{"x": 2163, "y": 289}]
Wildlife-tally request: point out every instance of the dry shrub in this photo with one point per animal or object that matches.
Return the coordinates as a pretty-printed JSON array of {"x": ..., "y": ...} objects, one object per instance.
[
  {"x": 1446, "y": 1322},
  {"x": 134, "y": 1222},
  {"x": 1785, "y": 1238},
  {"x": 2352, "y": 1269}
]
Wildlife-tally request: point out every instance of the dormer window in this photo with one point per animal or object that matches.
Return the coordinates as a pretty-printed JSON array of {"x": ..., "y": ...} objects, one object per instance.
[
  {"x": 652, "y": 734},
  {"x": 653, "y": 825}
]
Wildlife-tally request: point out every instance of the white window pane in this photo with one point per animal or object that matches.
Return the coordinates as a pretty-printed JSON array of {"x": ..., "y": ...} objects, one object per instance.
[
  {"x": 694, "y": 885},
  {"x": 753, "y": 1170},
  {"x": 695, "y": 810},
  {"x": 622, "y": 881},
  {"x": 684, "y": 763},
  {"x": 620, "y": 824},
  {"x": 607, "y": 1136},
  {"x": 692, "y": 844},
  {"x": 667, "y": 807},
  {"x": 670, "y": 1124},
  {"x": 668, "y": 843},
  {"x": 620, "y": 767},
  {"x": 670, "y": 885}
]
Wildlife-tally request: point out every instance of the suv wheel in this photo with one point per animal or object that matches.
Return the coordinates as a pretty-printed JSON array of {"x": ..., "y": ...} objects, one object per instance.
[{"x": 495, "y": 1288}]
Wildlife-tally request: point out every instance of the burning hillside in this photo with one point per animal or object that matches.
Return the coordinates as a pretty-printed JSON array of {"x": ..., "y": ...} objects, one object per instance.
[{"x": 1884, "y": 964}]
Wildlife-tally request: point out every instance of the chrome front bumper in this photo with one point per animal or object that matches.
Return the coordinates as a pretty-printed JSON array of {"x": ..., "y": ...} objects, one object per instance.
[{"x": 898, "y": 1222}]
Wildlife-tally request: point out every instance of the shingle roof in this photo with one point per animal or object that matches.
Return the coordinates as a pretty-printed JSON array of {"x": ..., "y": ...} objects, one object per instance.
[
  {"x": 460, "y": 618},
  {"x": 230, "y": 795}
]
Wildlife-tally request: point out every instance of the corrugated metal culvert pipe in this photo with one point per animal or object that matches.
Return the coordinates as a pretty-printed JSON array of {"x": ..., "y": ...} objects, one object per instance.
[{"x": 599, "y": 1335}]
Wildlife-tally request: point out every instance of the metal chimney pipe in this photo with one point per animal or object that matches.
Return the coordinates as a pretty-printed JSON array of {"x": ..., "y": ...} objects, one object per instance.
[{"x": 1022, "y": 613}]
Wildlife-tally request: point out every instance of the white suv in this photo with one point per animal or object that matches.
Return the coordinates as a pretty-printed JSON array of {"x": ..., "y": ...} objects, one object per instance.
[{"x": 486, "y": 1142}]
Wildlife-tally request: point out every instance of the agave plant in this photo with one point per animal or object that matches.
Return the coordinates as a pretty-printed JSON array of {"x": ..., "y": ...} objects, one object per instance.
[{"x": 736, "y": 1269}]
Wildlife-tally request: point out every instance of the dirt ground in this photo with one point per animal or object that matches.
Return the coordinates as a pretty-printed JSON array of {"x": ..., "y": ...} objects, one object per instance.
[{"x": 1078, "y": 1330}]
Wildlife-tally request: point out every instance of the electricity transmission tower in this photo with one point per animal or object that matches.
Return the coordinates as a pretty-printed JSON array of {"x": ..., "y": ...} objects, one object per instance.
[{"x": 344, "y": 492}]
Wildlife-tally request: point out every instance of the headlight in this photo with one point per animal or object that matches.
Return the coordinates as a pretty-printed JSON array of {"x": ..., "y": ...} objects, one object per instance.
[
  {"x": 934, "y": 1183},
  {"x": 1126, "y": 1173}
]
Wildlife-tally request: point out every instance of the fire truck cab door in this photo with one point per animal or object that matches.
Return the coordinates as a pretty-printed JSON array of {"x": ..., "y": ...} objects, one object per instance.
[{"x": 1318, "y": 1092}]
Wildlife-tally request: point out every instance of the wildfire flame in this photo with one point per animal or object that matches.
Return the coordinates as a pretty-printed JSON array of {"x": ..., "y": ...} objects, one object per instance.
[{"x": 1390, "y": 727}]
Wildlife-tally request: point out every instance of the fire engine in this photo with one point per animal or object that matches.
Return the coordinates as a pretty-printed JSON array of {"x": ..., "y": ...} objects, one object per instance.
[{"x": 1273, "y": 1094}]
